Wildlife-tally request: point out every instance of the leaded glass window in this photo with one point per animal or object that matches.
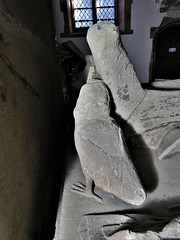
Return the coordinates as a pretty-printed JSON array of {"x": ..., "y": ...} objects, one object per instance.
[
  {"x": 83, "y": 13},
  {"x": 105, "y": 10},
  {"x": 79, "y": 15},
  {"x": 88, "y": 12}
]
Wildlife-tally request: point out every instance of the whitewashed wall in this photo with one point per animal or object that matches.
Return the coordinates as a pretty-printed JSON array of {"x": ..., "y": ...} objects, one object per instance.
[{"x": 145, "y": 15}]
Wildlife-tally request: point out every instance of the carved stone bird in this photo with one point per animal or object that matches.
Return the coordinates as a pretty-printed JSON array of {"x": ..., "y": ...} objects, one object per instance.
[
  {"x": 151, "y": 114},
  {"x": 101, "y": 147}
]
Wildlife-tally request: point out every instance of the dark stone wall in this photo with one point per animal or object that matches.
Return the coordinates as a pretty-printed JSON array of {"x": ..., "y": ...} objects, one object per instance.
[
  {"x": 33, "y": 127},
  {"x": 34, "y": 15}
]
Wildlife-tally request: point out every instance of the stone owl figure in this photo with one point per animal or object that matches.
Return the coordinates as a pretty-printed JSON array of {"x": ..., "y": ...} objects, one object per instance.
[{"x": 101, "y": 147}]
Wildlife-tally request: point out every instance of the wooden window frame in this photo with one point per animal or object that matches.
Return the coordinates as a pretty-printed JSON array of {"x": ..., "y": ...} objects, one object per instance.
[{"x": 122, "y": 18}]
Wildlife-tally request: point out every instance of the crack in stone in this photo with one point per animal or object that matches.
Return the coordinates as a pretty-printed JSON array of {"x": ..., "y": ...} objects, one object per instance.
[
  {"x": 145, "y": 93},
  {"x": 27, "y": 85},
  {"x": 97, "y": 147}
]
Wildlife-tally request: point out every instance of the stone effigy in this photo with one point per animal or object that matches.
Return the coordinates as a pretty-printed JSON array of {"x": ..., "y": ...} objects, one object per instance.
[
  {"x": 167, "y": 85},
  {"x": 151, "y": 121},
  {"x": 101, "y": 147},
  {"x": 170, "y": 231},
  {"x": 129, "y": 226},
  {"x": 149, "y": 113}
]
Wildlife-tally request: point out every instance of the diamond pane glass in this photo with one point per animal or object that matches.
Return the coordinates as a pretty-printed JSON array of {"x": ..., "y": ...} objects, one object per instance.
[
  {"x": 82, "y": 3},
  {"x": 105, "y": 13},
  {"x": 83, "y": 24},
  {"x": 83, "y": 14},
  {"x": 103, "y": 3}
]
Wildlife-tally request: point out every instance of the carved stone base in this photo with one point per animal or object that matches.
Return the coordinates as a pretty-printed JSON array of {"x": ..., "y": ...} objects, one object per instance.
[{"x": 125, "y": 227}]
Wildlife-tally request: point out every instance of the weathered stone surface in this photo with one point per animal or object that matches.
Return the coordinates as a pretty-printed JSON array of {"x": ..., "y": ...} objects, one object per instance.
[
  {"x": 28, "y": 101},
  {"x": 145, "y": 111},
  {"x": 168, "y": 84},
  {"x": 100, "y": 227},
  {"x": 134, "y": 227},
  {"x": 129, "y": 226},
  {"x": 126, "y": 235},
  {"x": 153, "y": 116},
  {"x": 88, "y": 107},
  {"x": 170, "y": 144},
  {"x": 170, "y": 231},
  {"x": 158, "y": 109},
  {"x": 115, "y": 68},
  {"x": 101, "y": 146}
]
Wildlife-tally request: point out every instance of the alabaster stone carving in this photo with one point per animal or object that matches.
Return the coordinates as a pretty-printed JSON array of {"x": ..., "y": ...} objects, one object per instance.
[
  {"x": 168, "y": 84},
  {"x": 101, "y": 146},
  {"x": 149, "y": 113},
  {"x": 129, "y": 226},
  {"x": 170, "y": 231},
  {"x": 150, "y": 120}
]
